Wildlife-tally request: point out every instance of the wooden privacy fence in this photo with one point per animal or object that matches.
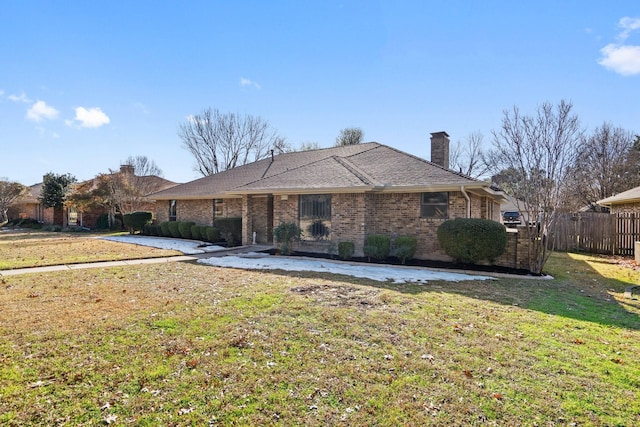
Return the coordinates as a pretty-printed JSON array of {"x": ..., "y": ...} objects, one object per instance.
[{"x": 593, "y": 232}]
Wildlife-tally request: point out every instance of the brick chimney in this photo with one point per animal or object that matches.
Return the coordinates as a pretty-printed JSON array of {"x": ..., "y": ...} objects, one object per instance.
[
  {"x": 127, "y": 169},
  {"x": 440, "y": 149}
]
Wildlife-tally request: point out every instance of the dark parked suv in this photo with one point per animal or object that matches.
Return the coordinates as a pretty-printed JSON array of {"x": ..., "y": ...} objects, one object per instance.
[{"x": 511, "y": 218}]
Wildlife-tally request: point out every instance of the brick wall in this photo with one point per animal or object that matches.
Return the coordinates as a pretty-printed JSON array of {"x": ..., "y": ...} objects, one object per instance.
[
  {"x": 256, "y": 218},
  {"x": 625, "y": 208},
  {"x": 348, "y": 219},
  {"x": 516, "y": 254}
]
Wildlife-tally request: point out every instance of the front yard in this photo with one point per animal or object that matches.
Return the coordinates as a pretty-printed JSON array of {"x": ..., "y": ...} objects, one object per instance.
[
  {"x": 37, "y": 249},
  {"x": 189, "y": 344}
]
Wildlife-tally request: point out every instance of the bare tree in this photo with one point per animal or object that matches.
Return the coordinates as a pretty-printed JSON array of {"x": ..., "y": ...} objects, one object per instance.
[
  {"x": 607, "y": 163},
  {"x": 220, "y": 141},
  {"x": 350, "y": 136},
  {"x": 468, "y": 158},
  {"x": 309, "y": 145},
  {"x": 540, "y": 149},
  {"x": 10, "y": 191}
]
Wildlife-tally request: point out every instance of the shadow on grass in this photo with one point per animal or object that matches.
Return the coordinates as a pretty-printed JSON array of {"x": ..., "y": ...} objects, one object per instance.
[{"x": 578, "y": 292}]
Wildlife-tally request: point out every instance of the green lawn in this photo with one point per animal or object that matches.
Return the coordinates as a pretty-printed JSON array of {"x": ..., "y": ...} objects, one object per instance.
[{"x": 188, "y": 344}]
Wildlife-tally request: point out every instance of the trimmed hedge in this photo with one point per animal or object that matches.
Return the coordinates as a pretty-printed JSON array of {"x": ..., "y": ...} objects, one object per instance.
[
  {"x": 377, "y": 246},
  {"x": 136, "y": 221},
  {"x": 469, "y": 240},
  {"x": 212, "y": 234},
  {"x": 195, "y": 232},
  {"x": 152, "y": 230},
  {"x": 185, "y": 228},
  {"x": 346, "y": 250},
  {"x": 404, "y": 247},
  {"x": 164, "y": 229},
  {"x": 230, "y": 230},
  {"x": 174, "y": 230}
]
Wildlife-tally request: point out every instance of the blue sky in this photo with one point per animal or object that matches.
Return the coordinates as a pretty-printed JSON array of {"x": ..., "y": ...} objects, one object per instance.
[{"x": 84, "y": 85}]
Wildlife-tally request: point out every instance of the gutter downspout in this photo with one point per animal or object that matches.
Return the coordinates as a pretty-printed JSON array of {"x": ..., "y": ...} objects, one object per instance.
[{"x": 466, "y": 196}]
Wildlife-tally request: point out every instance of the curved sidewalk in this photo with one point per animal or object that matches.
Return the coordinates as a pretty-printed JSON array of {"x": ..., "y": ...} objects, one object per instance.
[{"x": 102, "y": 264}]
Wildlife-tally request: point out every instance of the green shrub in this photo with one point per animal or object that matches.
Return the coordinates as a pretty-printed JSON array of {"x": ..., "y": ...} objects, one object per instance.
[
  {"x": 469, "y": 240},
  {"x": 102, "y": 223},
  {"x": 212, "y": 234},
  {"x": 196, "y": 233},
  {"x": 164, "y": 229},
  {"x": 230, "y": 230},
  {"x": 136, "y": 221},
  {"x": 377, "y": 246},
  {"x": 404, "y": 247},
  {"x": 346, "y": 250},
  {"x": 51, "y": 227},
  {"x": 185, "y": 228},
  {"x": 152, "y": 230},
  {"x": 285, "y": 234},
  {"x": 174, "y": 230}
]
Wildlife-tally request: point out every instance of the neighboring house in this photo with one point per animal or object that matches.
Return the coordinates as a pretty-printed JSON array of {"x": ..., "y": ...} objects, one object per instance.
[
  {"x": 338, "y": 194},
  {"x": 31, "y": 207},
  {"x": 625, "y": 202}
]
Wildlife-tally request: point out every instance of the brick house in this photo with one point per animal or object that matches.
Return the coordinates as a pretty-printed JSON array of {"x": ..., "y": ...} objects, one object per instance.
[
  {"x": 30, "y": 205},
  {"x": 625, "y": 202},
  {"x": 338, "y": 194}
]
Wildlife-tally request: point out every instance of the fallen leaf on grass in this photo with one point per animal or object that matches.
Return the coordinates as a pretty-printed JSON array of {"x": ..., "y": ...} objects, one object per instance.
[
  {"x": 467, "y": 373},
  {"x": 497, "y": 396}
]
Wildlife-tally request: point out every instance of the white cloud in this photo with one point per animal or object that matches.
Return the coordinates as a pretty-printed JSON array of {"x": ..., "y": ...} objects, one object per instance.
[
  {"x": 623, "y": 58},
  {"x": 90, "y": 118},
  {"x": 628, "y": 24},
  {"x": 41, "y": 111},
  {"x": 247, "y": 82},
  {"x": 20, "y": 98}
]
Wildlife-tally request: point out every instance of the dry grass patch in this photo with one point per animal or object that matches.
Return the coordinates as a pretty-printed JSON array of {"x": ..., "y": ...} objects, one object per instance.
[
  {"x": 187, "y": 344},
  {"x": 36, "y": 249}
]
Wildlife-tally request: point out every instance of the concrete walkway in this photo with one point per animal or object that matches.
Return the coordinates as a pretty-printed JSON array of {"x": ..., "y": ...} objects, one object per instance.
[{"x": 105, "y": 264}]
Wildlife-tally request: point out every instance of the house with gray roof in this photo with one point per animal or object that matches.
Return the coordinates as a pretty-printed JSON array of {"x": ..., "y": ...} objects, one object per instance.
[
  {"x": 337, "y": 194},
  {"x": 625, "y": 202}
]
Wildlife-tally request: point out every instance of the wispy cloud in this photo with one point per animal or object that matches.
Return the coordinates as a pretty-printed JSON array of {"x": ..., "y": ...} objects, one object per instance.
[
  {"x": 41, "y": 111},
  {"x": 20, "y": 98},
  {"x": 244, "y": 82},
  {"x": 620, "y": 57},
  {"x": 89, "y": 118}
]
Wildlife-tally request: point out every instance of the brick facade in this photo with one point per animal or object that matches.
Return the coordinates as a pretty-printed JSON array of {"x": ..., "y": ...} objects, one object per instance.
[
  {"x": 199, "y": 211},
  {"x": 354, "y": 216},
  {"x": 625, "y": 208},
  {"x": 257, "y": 217}
]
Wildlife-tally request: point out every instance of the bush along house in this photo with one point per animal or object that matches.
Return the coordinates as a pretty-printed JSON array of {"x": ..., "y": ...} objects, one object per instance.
[{"x": 342, "y": 194}]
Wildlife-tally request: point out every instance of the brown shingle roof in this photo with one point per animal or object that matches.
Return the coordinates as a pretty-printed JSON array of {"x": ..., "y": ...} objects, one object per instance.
[{"x": 355, "y": 168}]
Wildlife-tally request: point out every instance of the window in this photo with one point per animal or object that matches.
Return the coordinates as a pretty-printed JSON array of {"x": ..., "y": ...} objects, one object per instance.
[
  {"x": 218, "y": 208},
  {"x": 173, "y": 210},
  {"x": 73, "y": 216},
  {"x": 435, "y": 205},
  {"x": 315, "y": 216}
]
